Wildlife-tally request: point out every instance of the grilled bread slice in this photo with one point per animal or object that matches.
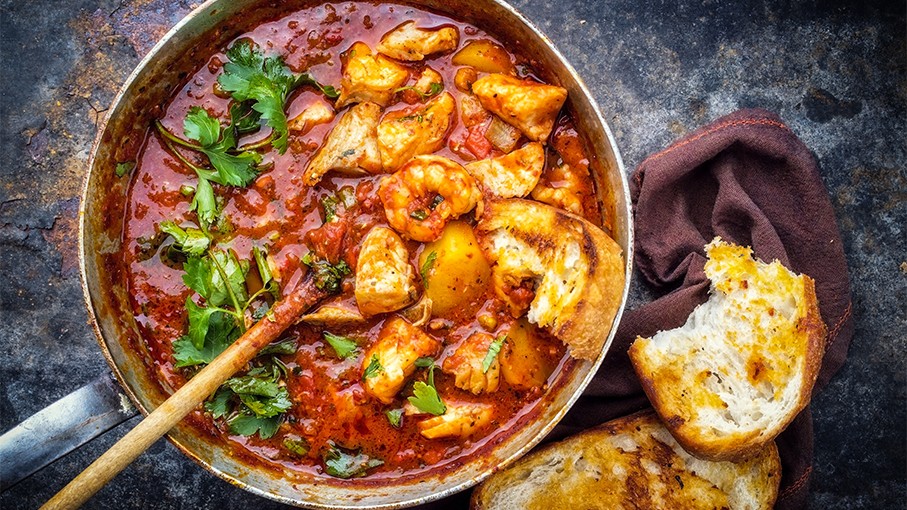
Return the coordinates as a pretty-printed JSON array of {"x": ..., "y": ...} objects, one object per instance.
[
  {"x": 571, "y": 269},
  {"x": 630, "y": 462},
  {"x": 735, "y": 375}
]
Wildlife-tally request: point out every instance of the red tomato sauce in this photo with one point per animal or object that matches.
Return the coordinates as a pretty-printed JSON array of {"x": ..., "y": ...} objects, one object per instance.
[{"x": 279, "y": 212}]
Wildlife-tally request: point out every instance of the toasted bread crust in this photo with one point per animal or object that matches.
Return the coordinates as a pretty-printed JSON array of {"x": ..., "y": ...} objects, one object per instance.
[
  {"x": 564, "y": 244},
  {"x": 630, "y": 461},
  {"x": 680, "y": 415}
]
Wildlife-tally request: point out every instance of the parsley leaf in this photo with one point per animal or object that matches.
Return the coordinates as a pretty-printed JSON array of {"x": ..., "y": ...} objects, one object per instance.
[
  {"x": 190, "y": 241},
  {"x": 249, "y": 75},
  {"x": 327, "y": 276},
  {"x": 343, "y": 346},
  {"x": 228, "y": 276},
  {"x": 373, "y": 368},
  {"x": 124, "y": 168},
  {"x": 419, "y": 214},
  {"x": 232, "y": 169},
  {"x": 219, "y": 404},
  {"x": 246, "y": 425},
  {"x": 264, "y": 271},
  {"x": 287, "y": 346},
  {"x": 347, "y": 465},
  {"x": 198, "y": 322},
  {"x": 203, "y": 202},
  {"x": 395, "y": 417},
  {"x": 493, "y": 351},
  {"x": 243, "y": 119},
  {"x": 426, "y": 398},
  {"x": 305, "y": 79},
  {"x": 427, "y": 267},
  {"x": 222, "y": 332},
  {"x": 299, "y": 447}
]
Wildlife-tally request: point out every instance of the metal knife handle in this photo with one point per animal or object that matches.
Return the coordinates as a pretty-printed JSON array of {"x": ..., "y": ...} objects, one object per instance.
[{"x": 62, "y": 427}]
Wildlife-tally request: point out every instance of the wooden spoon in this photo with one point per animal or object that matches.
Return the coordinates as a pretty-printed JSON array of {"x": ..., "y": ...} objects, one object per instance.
[{"x": 284, "y": 313}]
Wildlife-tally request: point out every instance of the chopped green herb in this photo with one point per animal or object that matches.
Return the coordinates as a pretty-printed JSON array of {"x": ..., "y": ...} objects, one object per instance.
[
  {"x": 287, "y": 346},
  {"x": 427, "y": 267},
  {"x": 327, "y": 276},
  {"x": 247, "y": 425},
  {"x": 266, "y": 82},
  {"x": 221, "y": 332},
  {"x": 347, "y": 153},
  {"x": 219, "y": 404},
  {"x": 124, "y": 168},
  {"x": 343, "y": 346},
  {"x": 493, "y": 351},
  {"x": 435, "y": 202},
  {"x": 419, "y": 214},
  {"x": 347, "y": 464},
  {"x": 232, "y": 169},
  {"x": 424, "y": 362},
  {"x": 264, "y": 271},
  {"x": 426, "y": 399},
  {"x": 373, "y": 368},
  {"x": 299, "y": 447},
  {"x": 394, "y": 416},
  {"x": 190, "y": 241},
  {"x": 434, "y": 89}
]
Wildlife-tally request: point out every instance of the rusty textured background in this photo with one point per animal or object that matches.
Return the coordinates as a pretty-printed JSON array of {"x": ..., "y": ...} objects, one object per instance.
[{"x": 836, "y": 71}]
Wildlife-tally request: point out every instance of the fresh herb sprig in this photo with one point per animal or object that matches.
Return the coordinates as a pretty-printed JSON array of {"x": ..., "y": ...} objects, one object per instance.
[{"x": 425, "y": 396}]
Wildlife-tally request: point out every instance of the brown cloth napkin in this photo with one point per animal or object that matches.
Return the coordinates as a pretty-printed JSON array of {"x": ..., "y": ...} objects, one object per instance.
[{"x": 747, "y": 178}]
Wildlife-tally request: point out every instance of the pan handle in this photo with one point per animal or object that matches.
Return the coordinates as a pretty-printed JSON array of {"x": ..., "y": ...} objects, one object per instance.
[{"x": 62, "y": 427}]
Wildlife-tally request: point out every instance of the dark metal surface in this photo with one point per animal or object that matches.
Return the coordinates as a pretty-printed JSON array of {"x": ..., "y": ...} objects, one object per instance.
[
  {"x": 62, "y": 427},
  {"x": 833, "y": 70}
]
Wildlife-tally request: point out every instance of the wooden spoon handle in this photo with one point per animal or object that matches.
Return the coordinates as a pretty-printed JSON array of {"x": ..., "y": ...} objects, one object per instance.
[{"x": 194, "y": 392}]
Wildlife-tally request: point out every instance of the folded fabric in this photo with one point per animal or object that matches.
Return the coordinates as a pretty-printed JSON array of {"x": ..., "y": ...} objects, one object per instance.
[{"x": 749, "y": 179}]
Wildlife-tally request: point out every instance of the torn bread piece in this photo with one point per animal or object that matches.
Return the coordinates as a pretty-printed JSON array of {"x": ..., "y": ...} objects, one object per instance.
[
  {"x": 571, "y": 269},
  {"x": 630, "y": 462},
  {"x": 734, "y": 376}
]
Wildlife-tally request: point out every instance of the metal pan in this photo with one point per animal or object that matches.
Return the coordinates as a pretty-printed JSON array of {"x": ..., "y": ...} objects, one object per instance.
[{"x": 185, "y": 48}]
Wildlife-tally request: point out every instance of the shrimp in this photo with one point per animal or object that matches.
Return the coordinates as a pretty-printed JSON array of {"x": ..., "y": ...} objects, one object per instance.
[
  {"x": 561, "y": 186},
  {"x": 426, "y": 193}
]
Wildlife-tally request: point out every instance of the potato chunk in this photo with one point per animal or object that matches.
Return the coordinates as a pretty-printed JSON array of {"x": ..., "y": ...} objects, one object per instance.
[
  {"x": 511, "y": 175},
  {"x": 350, "y": 148},
  {"x": 410, "y": 43},
  {"x": 407, "y": 133},
  {"x": 466, "y": 365},
  {"x": 393, "y": 358},
  {"x": 385, "y": 280},
  {"x": 368, "y": 77},
  {"x": 526, "y": 105},
  {"x": 484, "y": 55},
  {"x": 523, "y": 361},
  {"x": 454, "y": 268},
  {"x": 461, "y": 420}
]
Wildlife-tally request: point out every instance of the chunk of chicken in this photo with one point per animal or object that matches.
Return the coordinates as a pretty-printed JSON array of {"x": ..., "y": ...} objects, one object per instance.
[
  {"x": 511, "y": 175},
  {"x": 393, "y": 358},
  {"x": 526, "y": 105},
  {"x": 410, "y": 43},
  {"x": 368, "y": 77},
  {"x": 562, "y": 188},
  {"x": 317, "y": 113},
  {"x": 350, "y": 148},
  {"x": 412, "y": 132},
  {"x": 466, "y": 365},
  {"x": 385, "y": 280},
  {"x": 461, "y": 420}
]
